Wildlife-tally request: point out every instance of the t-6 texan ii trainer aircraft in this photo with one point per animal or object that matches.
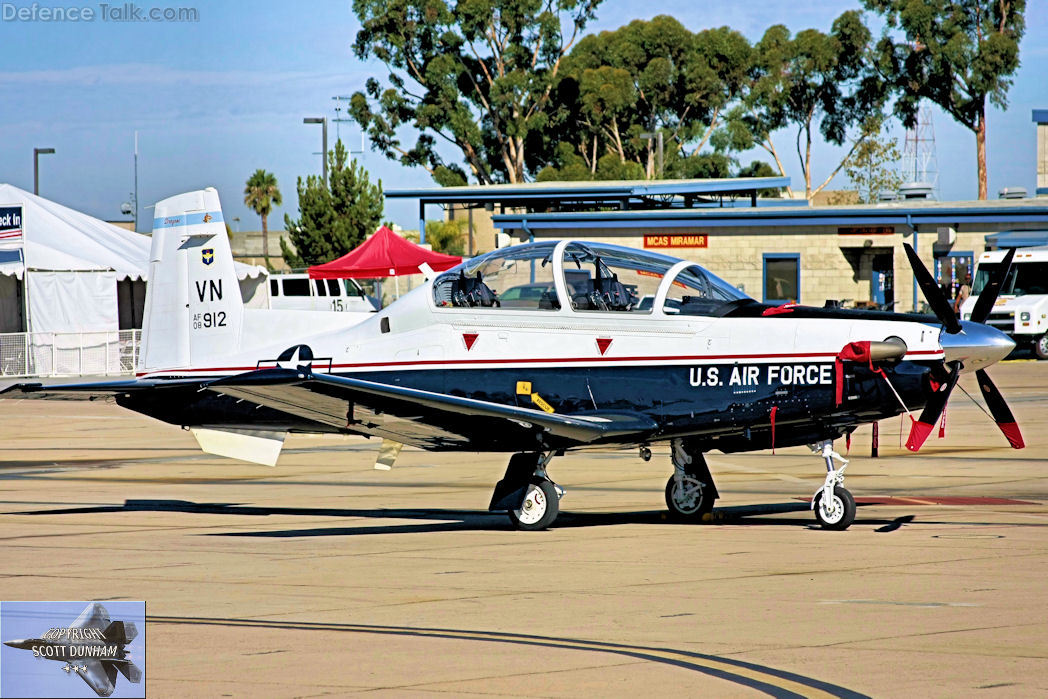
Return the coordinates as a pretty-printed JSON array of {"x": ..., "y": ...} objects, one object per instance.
[{"x": 538, "y": 349}]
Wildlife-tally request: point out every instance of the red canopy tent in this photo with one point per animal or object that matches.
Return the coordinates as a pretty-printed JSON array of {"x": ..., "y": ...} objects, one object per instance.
[{"x": 384, "y": 254}]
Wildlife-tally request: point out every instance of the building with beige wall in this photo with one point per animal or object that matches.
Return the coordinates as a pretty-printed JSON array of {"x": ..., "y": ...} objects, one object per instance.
[{"x": 1040, "y": 117}]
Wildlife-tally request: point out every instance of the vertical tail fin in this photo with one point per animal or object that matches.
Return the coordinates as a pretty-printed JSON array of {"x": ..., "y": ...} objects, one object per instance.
[
  {"x": 194, "y": 313},
  {"x": 120, "y": 632}
]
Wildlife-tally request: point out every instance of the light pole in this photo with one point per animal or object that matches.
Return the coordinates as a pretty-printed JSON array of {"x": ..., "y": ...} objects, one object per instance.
[
  {"x": 37, "y": 152},
  {"x": 323, "y": 155}
]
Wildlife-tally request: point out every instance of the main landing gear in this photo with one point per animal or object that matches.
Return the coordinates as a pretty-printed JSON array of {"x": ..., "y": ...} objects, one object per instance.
[
  {"x": 690, "y": 491},
  {"x": 526, "y": 493},
  {"x": 833, "y": 505}
]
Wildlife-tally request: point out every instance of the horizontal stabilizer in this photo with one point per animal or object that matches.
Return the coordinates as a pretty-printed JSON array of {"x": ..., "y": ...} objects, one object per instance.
[
  {"x": 129, "y": 670},
  {"x": 256, "y": 446}
]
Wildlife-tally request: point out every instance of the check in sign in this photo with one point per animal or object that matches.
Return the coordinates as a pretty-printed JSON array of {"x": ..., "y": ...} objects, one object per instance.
[
  {"x": 10, "y": 223},
  {"x": 675, "y": 241}
]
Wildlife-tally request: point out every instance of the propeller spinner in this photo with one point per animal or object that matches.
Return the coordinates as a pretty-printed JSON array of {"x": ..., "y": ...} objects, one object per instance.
[{"x": 970, "y": 345}]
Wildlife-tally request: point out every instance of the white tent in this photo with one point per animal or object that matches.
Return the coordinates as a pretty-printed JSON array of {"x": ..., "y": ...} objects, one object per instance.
[{"x": 63, "y": 271}]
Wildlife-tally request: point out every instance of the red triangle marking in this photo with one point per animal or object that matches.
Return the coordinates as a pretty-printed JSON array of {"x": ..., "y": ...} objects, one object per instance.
[
  {"x": 469, "y": 339},
  {"x": 603, "y": 343}
]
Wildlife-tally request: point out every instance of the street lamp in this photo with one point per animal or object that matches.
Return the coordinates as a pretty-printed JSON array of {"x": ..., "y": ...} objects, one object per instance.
[
  {"x": 323, "y": 155},
  {"x": 37, "y": 152}
]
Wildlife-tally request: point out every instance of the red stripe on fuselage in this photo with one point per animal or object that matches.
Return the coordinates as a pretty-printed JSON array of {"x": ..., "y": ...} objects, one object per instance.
[{"x": 827, "y": 356}]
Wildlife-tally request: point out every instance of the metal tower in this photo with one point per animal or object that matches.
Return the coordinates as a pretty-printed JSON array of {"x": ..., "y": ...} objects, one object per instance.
[
  {"x": 918, "y": 157},
  {"x": 342, "y": 102}
]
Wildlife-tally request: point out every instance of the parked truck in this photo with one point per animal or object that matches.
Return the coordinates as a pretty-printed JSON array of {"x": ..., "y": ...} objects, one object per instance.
[{"x": 1021, "y": 310}]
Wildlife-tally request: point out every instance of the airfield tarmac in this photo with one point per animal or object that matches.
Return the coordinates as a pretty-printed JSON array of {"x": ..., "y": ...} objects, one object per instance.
[{"x": 323, "y": 576}]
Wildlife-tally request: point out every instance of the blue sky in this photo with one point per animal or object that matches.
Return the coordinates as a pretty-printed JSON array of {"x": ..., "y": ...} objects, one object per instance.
[
  {"x": 22, "y": 675},
  {"x": 215, "y": 99}
]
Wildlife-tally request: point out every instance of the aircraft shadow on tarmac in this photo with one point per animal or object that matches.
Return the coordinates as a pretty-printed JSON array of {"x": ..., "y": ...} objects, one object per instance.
[{"x": 446, "y": 520}]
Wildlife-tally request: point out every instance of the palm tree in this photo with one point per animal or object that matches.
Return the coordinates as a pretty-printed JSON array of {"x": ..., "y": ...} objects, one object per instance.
[{"x": 262, "y": 194}]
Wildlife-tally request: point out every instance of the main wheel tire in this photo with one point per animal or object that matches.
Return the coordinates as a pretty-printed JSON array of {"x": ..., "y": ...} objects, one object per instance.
[
  {"x": 540, "y": 507},
  {"x": 1040, "y": 346},
  {"x": 841, "y": 512},
  {"x": 692, "y": 503}
]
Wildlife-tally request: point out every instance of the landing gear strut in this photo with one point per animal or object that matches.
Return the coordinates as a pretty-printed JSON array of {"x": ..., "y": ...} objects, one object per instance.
[
  {"x": 526, "y": 493},
  {"x": 833, "y": 505},
  {"x": 690, "y": 491}
]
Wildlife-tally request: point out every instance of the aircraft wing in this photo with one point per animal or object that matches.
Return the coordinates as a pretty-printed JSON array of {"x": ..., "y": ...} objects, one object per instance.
[
  {"x": 422, "y": 418},
  {"x": 94, "y": 616},
  {"x": 99, "y": 675}
]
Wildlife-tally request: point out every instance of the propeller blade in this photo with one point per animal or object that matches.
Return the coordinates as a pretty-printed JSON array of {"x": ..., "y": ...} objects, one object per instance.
[
  {"x": 940, "y": 305},
  {"x": 920, "y": 429},
  {"x": 1002, "y": 414},
  {"x": 988, "y": 296}
]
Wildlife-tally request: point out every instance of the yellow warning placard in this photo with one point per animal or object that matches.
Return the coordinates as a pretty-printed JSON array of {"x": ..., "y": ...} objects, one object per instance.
[{"x": 537, "y": 400}]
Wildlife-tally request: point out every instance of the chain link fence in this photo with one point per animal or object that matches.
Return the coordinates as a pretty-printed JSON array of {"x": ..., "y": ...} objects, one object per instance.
[{"x": 69, "y": 354}]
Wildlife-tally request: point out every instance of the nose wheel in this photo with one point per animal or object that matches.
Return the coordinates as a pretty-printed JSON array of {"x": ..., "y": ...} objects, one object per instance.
[
  {"x": 838, "y": 512},
  {"x": 833, "y": 505}
]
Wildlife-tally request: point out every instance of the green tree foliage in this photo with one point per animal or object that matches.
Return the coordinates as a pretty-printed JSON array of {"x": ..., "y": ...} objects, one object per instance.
[
  {"x": 333, "y": 219},
  {"x": 759, "y": 168},
  {"x": 448, "y": 237},
  {"x": 872, "y": 168},
  {"x": 475, "y": 74},
  {"x": 814, "y": 83},
  {"x": 957, "y": 53},
  {"x": 646, "y": 77},
  {"x": 261, "y": 194}
]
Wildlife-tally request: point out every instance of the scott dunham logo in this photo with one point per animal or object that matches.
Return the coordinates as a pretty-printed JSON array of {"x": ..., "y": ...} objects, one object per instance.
[{"x": 91, "y": 645}]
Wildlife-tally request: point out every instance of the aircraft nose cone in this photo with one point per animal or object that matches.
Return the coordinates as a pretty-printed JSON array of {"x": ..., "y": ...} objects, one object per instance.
[
  {"x": 976, "y": 346},
  {"x": 19, "y": 643}
]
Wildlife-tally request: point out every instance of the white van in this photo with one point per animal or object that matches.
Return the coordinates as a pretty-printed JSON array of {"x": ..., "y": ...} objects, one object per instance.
[
  {"x": 1021, "y": 310},
  {"x": 300, "y": 293}
]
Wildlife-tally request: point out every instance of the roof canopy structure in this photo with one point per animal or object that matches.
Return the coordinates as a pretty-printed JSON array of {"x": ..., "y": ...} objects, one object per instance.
[
  {"x": 908, "y": 213},
  {"x": 600, "y": 195},
  {"x": 624, "y": 194},
  {"x": 384, "y": 254},
  {"x": 56, "y": 238}
]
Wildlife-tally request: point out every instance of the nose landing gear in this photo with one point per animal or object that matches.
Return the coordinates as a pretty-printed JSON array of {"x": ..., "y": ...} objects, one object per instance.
[{"x": 833, "y": 505}]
